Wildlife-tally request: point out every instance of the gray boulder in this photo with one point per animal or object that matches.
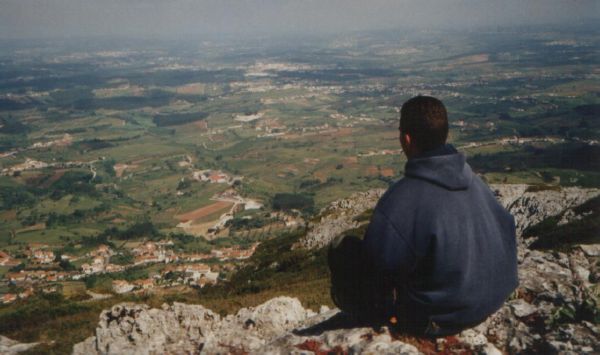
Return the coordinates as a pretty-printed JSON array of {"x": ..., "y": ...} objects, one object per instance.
[{"x": 10, "y": 347}]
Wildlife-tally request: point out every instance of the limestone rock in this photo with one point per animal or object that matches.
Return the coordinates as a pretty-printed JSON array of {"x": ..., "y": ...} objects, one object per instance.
[
  {"x": 9, "y": 346},
  {"x": 192, "y": 329},
  {"x": 530, "y": 208},
  {"x": 138, "y": 329},
  {"x": 521, "y": 308},
  {"x": 338, "y": 218},
  {"x": 591, "y": 249},
  {"x": 88, "y": 346}
]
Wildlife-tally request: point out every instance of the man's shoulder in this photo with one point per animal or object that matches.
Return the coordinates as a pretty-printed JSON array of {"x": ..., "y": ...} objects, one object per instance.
[
  {"x": 410, "y": 194},
  {"x": 404, "y": 191}
]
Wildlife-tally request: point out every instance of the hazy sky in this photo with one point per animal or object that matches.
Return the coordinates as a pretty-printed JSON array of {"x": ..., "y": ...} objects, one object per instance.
[{"x": 61, "y": 18}]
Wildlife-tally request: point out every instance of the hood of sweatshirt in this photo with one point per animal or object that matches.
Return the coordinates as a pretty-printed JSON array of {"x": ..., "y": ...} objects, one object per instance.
[{"x": 443, "y": 166}]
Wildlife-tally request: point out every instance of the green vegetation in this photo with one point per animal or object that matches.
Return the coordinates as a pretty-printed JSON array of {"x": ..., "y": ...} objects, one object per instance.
[
  {"x": 241, "y": 223},
  {"x": 13, "y": 196},
  {"x": 580, "y": 231},
  {"x": 53, "y": 317},
  {"x": 103, "y": 282},
  {"x": 287, "y": 202},
  {"x": 137, "y": 230},
  {"x": 12, "y": 126},
  {"x": 123, "y": 258},
  {"x": 178, "y": 119},
  {"x": 273, "y": 270}
]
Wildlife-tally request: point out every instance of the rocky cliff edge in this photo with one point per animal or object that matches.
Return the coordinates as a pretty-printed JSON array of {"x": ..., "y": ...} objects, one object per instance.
[{"x": 553, "y": 310}]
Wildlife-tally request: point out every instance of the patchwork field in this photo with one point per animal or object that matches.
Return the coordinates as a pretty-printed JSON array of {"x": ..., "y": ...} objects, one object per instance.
[{"x": 202, "y": 212}]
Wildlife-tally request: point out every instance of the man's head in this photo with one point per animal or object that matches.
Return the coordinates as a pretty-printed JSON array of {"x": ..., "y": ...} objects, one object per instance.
[{"x": 423, "y": 125}]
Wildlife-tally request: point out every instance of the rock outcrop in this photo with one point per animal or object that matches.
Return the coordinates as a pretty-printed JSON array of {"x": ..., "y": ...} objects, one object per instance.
[
  {"x": 338, "y": 217},
  {"x": 530, "y": 207},
  {"x": 552, "y": 311},
  {"x": 10, "y": 347},
  {"x": 190, "y": 329},
  {"x": 279, "y": 326}
]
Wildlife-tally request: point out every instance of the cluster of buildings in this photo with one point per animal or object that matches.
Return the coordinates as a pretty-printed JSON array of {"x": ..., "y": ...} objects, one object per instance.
[
  {"x": 40, "y": 276},
  {"x": 214, "y": 176},
  {"x": 196, "y": 275},
  {"x": 100, "y": 262},
  {"x": 7, "y": 260},
  {"x": 11, "y": 297},
  {"x": 123, "y": 286},
  {"x": 31, "y": 277},
  {"x": 38, "y": 253},
  {"x": 32, "y": 164},
  {"x": 184, "y": 269},
  {"x": 148, "y": 252},
  {"x": 154, "y": 252}
]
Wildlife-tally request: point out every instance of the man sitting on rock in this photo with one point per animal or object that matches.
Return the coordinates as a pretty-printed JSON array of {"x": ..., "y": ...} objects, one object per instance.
[{"x": 439, "y": 254}]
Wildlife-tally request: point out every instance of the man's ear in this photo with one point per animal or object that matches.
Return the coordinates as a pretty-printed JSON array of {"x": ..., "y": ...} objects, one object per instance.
[
  {"x": 406, "y": 142},
  {"x": 405, "y": 139}
]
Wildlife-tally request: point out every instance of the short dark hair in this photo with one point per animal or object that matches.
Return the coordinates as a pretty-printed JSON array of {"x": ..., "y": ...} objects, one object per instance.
[{"x": 425, "y": 119}]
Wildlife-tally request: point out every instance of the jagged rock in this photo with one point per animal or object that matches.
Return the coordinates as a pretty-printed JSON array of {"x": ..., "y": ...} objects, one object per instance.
[
  {"x": 137, "y": 329},
  {"x": 320, "y": 334},
  {"x": 180, "y": 328},
  {"x": 591, "y": 249},
  {"x": 192, "y": 329},
  {"x": 522, "y": 309},
  {"x": 339, "y": 217},
  {"x": 549, "y": 283},
  {"x": 490, "y": 349},
  {"x": 473, "y": 339},
  {"x": 530, "y": 208},
  {"x": 88, "y": 346},
  {"x": 10, "y": 347}
]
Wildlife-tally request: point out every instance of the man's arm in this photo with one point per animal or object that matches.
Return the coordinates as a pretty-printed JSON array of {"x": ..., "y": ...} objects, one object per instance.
[{"x": 386, "y": 249}]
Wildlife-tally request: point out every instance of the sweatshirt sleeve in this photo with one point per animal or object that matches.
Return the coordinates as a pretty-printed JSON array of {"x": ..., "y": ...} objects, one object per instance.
[{"x": 386, "y": 249}]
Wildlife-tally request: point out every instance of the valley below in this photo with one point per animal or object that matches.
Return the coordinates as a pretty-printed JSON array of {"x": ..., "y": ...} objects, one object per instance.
[{"x": 179, "y": 196}]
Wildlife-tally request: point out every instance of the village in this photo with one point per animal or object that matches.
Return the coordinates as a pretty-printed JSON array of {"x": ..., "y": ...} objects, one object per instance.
[{"x": 40, "y": 269}]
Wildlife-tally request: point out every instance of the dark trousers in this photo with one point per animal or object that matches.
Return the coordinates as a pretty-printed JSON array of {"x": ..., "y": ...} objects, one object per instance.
[
  {"x": 355, "y": 286},
  {"x": 362, "y": 292}
]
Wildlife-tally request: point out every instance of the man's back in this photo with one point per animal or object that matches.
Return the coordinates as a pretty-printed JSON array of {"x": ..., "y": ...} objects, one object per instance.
[{"x": 449, "y": 245}]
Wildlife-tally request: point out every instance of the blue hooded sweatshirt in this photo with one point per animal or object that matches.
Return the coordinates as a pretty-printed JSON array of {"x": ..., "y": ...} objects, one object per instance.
[{"x": 447, "y": 242}]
